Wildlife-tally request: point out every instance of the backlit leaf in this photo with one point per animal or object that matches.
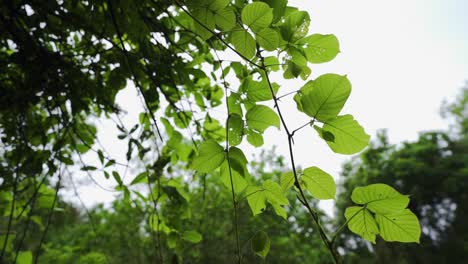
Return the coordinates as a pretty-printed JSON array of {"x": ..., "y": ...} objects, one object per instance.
[{"x": 210, "y": 157}]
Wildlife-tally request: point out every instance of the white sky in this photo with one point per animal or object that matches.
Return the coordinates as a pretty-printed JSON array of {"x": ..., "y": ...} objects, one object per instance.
[{"x": 403, "y": 59}]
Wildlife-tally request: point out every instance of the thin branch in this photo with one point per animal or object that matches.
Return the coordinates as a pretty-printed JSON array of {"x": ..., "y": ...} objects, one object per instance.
[{"x": 236, "y": 227}]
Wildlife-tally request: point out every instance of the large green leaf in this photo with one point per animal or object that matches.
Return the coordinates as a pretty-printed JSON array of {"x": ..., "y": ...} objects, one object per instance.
[
  {"x": 348, "y": 136},
  {"x": 268, "y": 39},
  {"x": 319, "y": 183},
  {"x": 244, "y": 43},
  {"x": 210, "y": 157},
  {"x": 361, "y": 222},
  {"x": 261, "y": 244},
  {"x": 320, "y": 48},
  {"x": 261, "y": 117},
  {"x": 225, "y": 19},
  {"x": 257, "y": 16},
  {"x": 380, "y": 198},
  {"x": 402, "y": 226},
  {"x": 235, "y": 129},
  {"x": 327, "y": 96}
]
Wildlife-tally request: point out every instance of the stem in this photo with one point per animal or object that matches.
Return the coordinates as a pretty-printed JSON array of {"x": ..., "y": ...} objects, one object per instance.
[{"x": 229, "y": 162}]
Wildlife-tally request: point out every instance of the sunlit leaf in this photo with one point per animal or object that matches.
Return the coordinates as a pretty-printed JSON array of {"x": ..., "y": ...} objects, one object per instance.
[
  {"x": 319, "y": 183},
  {"x": 210, "y": 157},
  {"x": 402, "y": 226},
  {"x": 361, "y": 222},
  {"x": 349, "y": 136},
  {"x": 380, "y": 198}
]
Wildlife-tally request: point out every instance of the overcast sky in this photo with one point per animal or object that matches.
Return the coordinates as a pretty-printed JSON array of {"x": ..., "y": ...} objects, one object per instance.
[{"x": 403, "y": 59}]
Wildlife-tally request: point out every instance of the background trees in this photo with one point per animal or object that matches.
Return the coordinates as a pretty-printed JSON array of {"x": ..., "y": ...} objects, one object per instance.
[{"x": 433, "y": 171}]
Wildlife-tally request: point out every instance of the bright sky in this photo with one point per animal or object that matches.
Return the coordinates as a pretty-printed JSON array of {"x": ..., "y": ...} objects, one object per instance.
[{"x": 402, "y": 57}]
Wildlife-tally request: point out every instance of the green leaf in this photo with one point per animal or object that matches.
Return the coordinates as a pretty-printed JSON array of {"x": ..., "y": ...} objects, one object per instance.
[
  {"x": 117, "y": 178},
  {"x": 192, "y": 236},
  {"x": 259, "y": 91},
  {"x": 256, "y": 199},
  {"x": 278, "y": 6},
  {"x": 261, "y": 117},
  {"x": 327, "y": 96},
  {"x": 225, "y": 19},
  {"x": 268, "y": 39},
  {"x": 218, "y": 5},
  {"x": 210, "y": 157},
  {"x": 206, "y": 18},
  {"x": 272, "y": 63},
  {"x": 261, "y": 244},
  {"x": 402, "y": 226},
  {"x": 274, "y": 193},
  {"x": 234, "y": 104},
  {"x": 235, "y": 129},
  {"x": 349, "y": 136},
  {"x": 361, "y": 222},
  {"x": 320, "y": 48},
  {"x": 140, "y": 178},
  {"x": 257, "y": 16},
  {"x": 296, "y": 26},
  {"x": 287, "y": 180},
  {"x": 25, "y": 257},
  {"x": 238, "y": 182},
  {"x": 380, "y": 198},
  {"x": 319, "y": 183},
  {"x": 244, "y": 43},
  {"x": 254, "y": 138}
]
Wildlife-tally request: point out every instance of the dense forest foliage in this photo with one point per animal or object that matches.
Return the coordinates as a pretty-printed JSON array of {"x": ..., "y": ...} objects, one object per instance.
[{"x": 186, "y": 192}]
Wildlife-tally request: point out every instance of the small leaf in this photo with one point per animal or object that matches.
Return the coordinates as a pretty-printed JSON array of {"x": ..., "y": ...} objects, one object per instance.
[
  {"x": 257, "y": 16},
  {"x": 117, "y": 178},
  {"x": 244, "y": 43},
  {"x": 211, "y": 155},
  {"x": 402, "y": 226},
  {"x": 261, "y": 117},
  {"x": 140, "y": 178},
  {"x": 192, "y": 236},
  {"x": 361, "y": 222},
  {"x": 256, "y": 199},
  {"x": 349, "y": 136},
  {"x": 287, "y": 180},
  {"x": 327, "y": 97},
  {"x": 319, "y": 183},
  {"x": 254, "y": 138},
  {"x": 235, "y": 129},
  {"x": 238, "y": 181},
  {"x": 380, "y": 198},
  {"x": 261, "y": 244},
  {"x": 274, "y": 193}
]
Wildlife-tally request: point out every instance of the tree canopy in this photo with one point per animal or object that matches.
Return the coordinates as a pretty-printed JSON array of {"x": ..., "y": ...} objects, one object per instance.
[{"x": 64, "y": 62}]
